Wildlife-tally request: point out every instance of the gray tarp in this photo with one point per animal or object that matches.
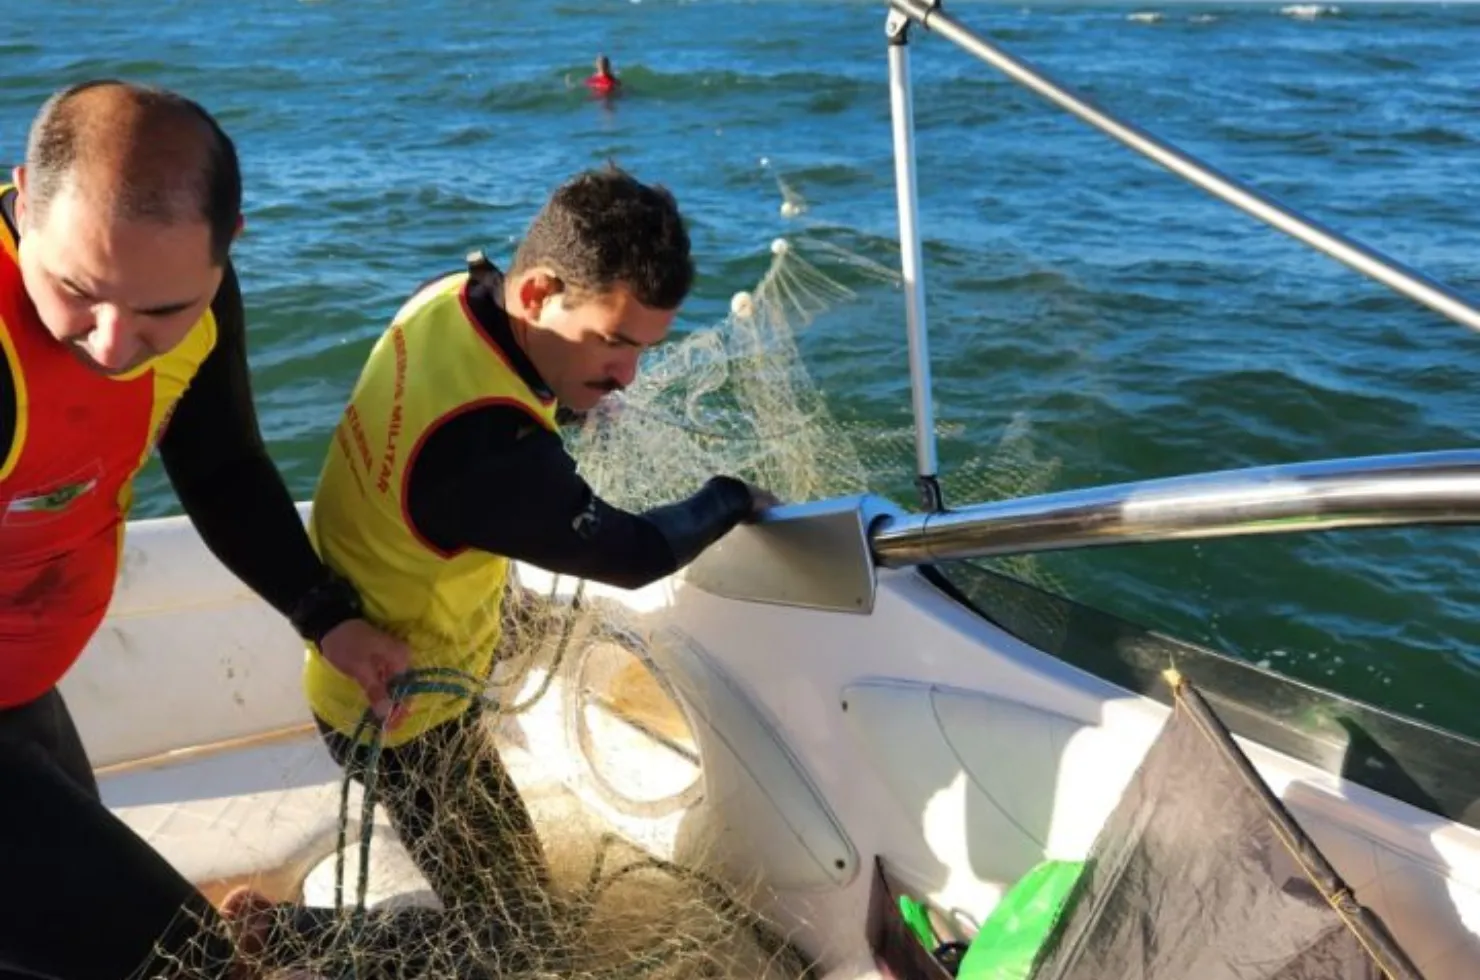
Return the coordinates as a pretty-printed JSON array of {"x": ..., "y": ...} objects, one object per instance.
[{"x": 1199, "y": 874}]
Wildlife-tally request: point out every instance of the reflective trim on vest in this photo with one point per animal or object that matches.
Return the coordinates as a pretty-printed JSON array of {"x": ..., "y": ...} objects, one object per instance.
[
  {"x": 433, "y": 364},
  {"x": 8, "y": 357},
  {"x": 10, "y": 364},
  {"x": 66, "y": 483}
]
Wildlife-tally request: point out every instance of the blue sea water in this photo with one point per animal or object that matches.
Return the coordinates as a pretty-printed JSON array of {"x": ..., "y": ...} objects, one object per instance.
[{"x": 1117, "y": 323}]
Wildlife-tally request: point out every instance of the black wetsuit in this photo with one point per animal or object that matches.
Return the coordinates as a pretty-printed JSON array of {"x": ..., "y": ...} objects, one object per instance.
[
  {"x": 84, "y": 897},
  {"x": 100, "y": 904},
  {"x": 491, "y": 479}
]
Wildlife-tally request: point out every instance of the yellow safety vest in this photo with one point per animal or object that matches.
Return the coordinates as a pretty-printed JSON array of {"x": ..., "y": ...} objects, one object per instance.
[{"x": 433, "y": 363}]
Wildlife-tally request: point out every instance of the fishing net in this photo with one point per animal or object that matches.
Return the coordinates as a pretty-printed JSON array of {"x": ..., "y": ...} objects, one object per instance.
[
  {"x": 507, "y": 873},
  {"x": 734, "y": 399}
]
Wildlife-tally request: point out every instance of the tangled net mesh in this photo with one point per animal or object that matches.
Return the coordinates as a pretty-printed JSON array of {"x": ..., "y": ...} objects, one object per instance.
[
  {"x": 506, "y": 873},
  {"x": 733, "y": 399}
]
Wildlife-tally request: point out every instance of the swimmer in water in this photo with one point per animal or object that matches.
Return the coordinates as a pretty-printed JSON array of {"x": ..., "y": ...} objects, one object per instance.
[{"x": 603, "y": 82}]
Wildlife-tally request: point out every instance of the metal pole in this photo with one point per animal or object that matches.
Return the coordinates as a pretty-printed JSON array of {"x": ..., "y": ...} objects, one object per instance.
[
  {"x": 1373, "y": 491},
  {"x": 912, "y": 259},
  {"x": 1367, "y": 261}
]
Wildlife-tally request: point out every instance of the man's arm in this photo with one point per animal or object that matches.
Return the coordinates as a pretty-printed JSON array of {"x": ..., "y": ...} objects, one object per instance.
[
  {"x": 232, "y": 492},
  {"x": 496, "y": 481}
]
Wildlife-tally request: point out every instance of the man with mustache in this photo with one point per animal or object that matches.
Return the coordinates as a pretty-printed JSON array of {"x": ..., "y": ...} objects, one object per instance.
[
  {"x": 447, "y": 465},
  {"x": 122, "y": 326}
]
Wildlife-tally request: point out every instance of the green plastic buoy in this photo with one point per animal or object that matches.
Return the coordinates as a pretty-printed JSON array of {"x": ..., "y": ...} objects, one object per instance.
[{"x": 1007, "y": 945}]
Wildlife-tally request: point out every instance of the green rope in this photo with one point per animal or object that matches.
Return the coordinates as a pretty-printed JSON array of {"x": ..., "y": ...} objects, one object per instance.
[
  {"x": 429, "y": 680},
  {"x": 426, "y": 680}
]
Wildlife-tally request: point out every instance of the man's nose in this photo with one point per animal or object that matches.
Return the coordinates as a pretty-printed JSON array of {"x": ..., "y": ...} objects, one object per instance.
[
  {"x": 624, "y": 372},
  {"x": 112, "y": 341}
]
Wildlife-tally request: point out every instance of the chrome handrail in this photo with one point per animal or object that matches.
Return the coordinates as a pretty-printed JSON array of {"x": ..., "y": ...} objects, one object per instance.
[
  {"x": 1368, "y": 261},
  {"x": 912, "y": 260},
  {"x": 1371, "y": 491}
]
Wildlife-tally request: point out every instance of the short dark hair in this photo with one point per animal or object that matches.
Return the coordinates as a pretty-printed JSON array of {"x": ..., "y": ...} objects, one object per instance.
[
  {"x": 75, "y": 123},
  {"x": 604, "y": 228}
]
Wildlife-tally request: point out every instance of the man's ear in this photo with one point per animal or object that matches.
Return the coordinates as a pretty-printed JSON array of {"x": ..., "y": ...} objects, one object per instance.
[
  {"x": 537, "y": 288},
  {"x": 241, "y": 226},
  {"x": 18, "y": 177}
]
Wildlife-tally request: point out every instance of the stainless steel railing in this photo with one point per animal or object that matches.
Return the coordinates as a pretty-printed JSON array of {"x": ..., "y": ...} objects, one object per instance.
[{"x": 1373, "y": 491}]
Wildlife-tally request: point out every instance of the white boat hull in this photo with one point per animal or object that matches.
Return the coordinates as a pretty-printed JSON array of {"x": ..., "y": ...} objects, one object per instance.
[{"x": 920, "y": 732}]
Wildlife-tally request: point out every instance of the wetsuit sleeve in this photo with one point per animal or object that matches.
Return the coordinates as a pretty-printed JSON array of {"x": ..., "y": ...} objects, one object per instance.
[
  {"x": 232, "y": 492},
  {"x": 522, "y": 497}
]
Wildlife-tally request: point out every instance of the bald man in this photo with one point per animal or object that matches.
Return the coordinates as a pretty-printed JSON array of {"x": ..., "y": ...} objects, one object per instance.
[{"x": 122, "y": 328}]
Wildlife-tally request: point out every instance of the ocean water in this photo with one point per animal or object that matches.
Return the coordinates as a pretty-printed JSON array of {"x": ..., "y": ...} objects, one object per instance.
[{"x": 1093, "y": 319}]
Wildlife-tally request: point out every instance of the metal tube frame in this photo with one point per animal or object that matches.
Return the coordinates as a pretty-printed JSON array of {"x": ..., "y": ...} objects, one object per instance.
[
  {"x": 1386, "y": 491},
  {"x": 901, "y": 112},
  {"x": 1373, "y": 491},
  {"x": 1369, "y": 262}
]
